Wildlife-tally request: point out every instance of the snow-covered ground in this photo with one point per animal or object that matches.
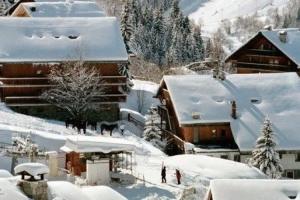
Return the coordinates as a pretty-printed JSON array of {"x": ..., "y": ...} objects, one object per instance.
[
  {"x": 140, "y": 97},
  {"x": 148, "y": 160},
  {"x": 211, "y": 13}
]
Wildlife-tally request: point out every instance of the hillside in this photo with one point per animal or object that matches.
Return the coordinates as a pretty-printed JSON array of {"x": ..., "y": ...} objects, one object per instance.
[{"x": 211, "y": 13}]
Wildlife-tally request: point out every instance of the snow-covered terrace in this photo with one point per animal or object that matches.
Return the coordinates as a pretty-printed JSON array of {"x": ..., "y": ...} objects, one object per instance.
[
  {"x": 95, "y": 39},
  {"x": 64, "y": 9},
  {"x": 257, "y": 96},
  {"x": 254, "y": 189}
]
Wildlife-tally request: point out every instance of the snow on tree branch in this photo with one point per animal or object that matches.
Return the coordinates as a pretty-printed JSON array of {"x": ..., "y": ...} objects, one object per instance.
[{"x": 77, "y": 86}]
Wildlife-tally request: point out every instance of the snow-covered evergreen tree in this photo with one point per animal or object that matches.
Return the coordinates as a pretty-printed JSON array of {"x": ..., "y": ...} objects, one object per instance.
[
  {"x": 198, "y": 46},
  {"x": 152, "y": 131},
  {"x": 136, "y": 13},
  {"x": 264, "y": 156},
  {"x": 126, "y": 24},
  {"x": 2, "y": 7},
  {"x": 158, "y": 37}
]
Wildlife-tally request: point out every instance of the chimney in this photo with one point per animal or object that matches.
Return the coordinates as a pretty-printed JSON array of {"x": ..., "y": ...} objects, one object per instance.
[
  {"x": 233, "y": 110},
  {"x": 283, "y": 36}
]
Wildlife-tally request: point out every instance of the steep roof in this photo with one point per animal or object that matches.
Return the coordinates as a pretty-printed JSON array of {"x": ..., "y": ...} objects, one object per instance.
[
  {"x": 290, "y": 48},
  {"x": 64, "y": 9},
  {"x": 257, "y": 96},
  {"x": 254, "y": 189},
  {"x": 61, "y": 39}
]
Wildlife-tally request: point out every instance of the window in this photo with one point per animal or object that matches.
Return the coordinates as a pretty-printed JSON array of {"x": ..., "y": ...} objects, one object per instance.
[
  {"x": 297, "y": 157},
  {"x": 224, "y": 156},
  {"x": 280, "y": 155},
  {"x": 214, "y": 133},
  {"x": 290, "y": 174},
  {"x": 196, "y": 135},
  {"x": 223, "y": 133},
  {"x": 237, "y": 158}
]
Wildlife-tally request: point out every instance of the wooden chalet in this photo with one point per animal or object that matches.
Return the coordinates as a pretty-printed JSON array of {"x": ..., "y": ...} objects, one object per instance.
[
  {"x": 29, "y": 47},
  {"x": 268, "y": 51},
  {"x": 58, "y": 9}
]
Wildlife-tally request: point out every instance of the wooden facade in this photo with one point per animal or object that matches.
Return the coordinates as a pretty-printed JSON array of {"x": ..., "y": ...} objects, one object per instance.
[
  {"x": 23, "y": 83},
  {"x": 260, "y": 55},
  {"x": 202, "y": 134}
]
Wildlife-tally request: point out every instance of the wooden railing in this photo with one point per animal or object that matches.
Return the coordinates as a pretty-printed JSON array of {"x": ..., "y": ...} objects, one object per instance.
[
  {"x": 136, "y": 122},
  {"x": 174, "y": 138}
]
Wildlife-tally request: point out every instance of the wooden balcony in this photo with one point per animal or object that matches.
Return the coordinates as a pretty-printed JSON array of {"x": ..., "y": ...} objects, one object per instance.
[
  {"x": 107, "y": 80},
  {"x": 36, "y": 100},
  {"x": 265, "y": 66},
  {"x": 263, "y": 52}
]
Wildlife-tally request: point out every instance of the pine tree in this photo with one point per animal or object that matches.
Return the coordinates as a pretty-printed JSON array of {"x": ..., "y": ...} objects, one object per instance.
[
  {"x": 286, "y": 21},
  {"x": 152, "y": 130},
  {"x": 126, "y": 25},
  {"x": 198, "y": 45},
  {"x": 136, "y": 12},
  {"x": 264, "y": 157},
  {"x": 2, "y": 7},
  {"x": 158, "y": 39}
]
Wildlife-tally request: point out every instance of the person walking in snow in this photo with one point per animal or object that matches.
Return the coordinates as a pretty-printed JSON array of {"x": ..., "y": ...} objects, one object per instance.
[
  {"x": 163, "y": 175},
  {"x": 178, "y": 176}
]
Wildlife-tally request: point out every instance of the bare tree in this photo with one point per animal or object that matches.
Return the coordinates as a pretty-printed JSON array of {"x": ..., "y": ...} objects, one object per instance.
[{"x": 76, "y": 87}]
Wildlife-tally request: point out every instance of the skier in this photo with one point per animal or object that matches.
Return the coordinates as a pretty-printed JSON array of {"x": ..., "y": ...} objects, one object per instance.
[
  {"x": 178, "y": 176},
  {"x": 163, "y": 175}
]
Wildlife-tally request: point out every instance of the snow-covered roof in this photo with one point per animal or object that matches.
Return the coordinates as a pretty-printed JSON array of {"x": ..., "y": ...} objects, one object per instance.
[
  {"x": 61, "y": 39},
  {"x": 9, "y": 190},
  {"x": 81, "y": 144},
  {"x": 211, "y": 168},
  {"x": 64, "y": 9},
  {"x": 246, "y": 189},
  {"x": 33, "y": 169},
  {"x": 290, "y": 48},
  {"x": 68, "y": 191},
  {"x": 257, "y": 96}
]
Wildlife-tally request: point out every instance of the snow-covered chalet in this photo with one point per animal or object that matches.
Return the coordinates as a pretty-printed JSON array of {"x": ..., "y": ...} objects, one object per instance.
[
  {"x": 59, "y": 9},
  {"x": 223, "y": 118},
  {"x": 30, "y": 46},
  {"x": 270, "y": 50}
]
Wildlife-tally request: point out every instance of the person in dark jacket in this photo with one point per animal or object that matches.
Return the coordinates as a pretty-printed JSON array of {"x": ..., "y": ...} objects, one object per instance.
[
  {"x": 178, "y": 176},
  {"x": 163, "y": 175}
]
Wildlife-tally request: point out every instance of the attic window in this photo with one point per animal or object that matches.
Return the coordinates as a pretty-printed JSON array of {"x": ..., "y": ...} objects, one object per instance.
[
  {"x": 57, "y": 36},
  {"x": 255, "y": 100},
  {"x": 73, "y": 37},
  {"x": 33, "y": 9},
  {"x": 196, "y": 115}
]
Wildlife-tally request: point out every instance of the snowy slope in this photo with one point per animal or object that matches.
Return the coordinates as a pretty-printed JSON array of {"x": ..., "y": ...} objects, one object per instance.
[{"x": 210, "y": 13}]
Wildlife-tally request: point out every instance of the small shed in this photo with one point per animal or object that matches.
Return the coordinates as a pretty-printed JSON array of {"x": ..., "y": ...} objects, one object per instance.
[{"x": 97, "y": 158}]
